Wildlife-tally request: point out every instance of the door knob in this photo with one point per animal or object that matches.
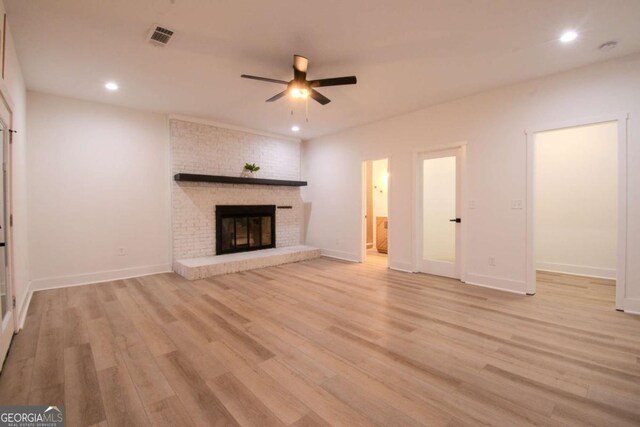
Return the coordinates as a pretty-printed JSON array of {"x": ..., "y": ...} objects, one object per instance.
[{"x": 456, "y": 220}]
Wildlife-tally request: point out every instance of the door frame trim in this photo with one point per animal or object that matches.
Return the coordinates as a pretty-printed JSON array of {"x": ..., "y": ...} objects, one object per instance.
[
  {"x": 417, "y": 202},
  {"x": 621, "y": 265},
  {"x": 6, "y": 114}
]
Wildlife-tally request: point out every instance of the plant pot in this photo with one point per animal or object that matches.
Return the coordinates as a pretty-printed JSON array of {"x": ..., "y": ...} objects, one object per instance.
[{"x": 248, "y": 174}]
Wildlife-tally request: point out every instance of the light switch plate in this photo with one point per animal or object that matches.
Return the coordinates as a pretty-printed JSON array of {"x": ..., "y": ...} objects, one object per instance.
[
  {"x": 517, "y": 204},
  {"x": 472, "y": 204}
]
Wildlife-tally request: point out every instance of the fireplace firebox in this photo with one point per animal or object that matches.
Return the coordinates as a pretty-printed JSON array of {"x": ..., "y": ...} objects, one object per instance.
[{"x": 245, "y": 228}]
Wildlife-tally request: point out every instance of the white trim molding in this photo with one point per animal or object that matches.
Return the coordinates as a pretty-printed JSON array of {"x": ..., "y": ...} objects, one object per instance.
[
  {"x": 631, "y": 306},
  {"x": 497, "y": 283},
  {"x": 341, "y": 255},
  {"x": 22, "y": 316},
  {"x": 231, "y": 127},
  {"x": 577, "y": 270},
  {"x": 403, "y": 266},
  {"x": 103, "y": 276}
]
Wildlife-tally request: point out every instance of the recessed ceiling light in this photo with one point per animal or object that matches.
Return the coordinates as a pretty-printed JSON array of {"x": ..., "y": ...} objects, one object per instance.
[
  {"x": 295, "y": 128},
  {"x": 568, "y": 36},
  {"x": 112, "y": 86}
]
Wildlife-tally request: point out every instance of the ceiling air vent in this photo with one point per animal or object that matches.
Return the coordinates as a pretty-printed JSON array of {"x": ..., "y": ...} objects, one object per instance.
[{"x": 160, "y": 35}]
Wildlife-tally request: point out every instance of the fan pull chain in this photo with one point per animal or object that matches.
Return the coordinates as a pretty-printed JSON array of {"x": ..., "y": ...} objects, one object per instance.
[{"x": 306, "y": 113}]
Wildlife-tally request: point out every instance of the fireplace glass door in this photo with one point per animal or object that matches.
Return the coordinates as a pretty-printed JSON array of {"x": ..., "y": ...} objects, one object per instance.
[{"x": 244, "y": 228}]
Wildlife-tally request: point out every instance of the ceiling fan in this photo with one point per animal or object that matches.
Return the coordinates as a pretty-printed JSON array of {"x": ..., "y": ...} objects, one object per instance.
[{"x": 300, "y": 87}]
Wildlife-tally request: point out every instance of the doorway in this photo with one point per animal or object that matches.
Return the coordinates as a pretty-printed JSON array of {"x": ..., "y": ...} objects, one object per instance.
[
  {"x": 439, "y": 205},
  {"x": 576, "y": 210},
  {"x": 7, "y": 301},
  {"x": 376, "y": 211}
]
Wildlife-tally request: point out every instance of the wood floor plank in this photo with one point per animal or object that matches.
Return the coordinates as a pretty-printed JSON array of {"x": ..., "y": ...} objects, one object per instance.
[
  {"x": 311, "y": 420},
  {"x": 103, "y": 343},
  {"x": 145, "y": 374},
  {"x": 48, "y": 368},
  {"x": 245, "y": 407},
  {"x": 16, "y": 380},
  {"x": 120, "y": 398},
  {"x": 274, "y": 396},
  {"x": 81, "y": 389},
  {"x": 204, "y": 361},
  {"x": 319, "y": 400},
  {"x": 377, "y": 410},
  {"x": 169, "y": 412},
  {"x": 200, "y": 401}
]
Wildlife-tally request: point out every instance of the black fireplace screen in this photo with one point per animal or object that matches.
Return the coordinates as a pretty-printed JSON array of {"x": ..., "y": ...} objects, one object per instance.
[{"x": 245, "y": 228}]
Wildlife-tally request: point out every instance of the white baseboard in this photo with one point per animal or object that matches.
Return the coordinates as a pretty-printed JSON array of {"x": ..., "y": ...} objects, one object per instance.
[
  {"x": 498, "y": 283},
  {"x": 103, "y": 276},
  {"x": 577, "y": 270},
  {"x": 631, "y": 305},
  {"x": 22, "y": 315},
  {"x": 344, "y": 256},
  {"x": 403, "y": 266}
]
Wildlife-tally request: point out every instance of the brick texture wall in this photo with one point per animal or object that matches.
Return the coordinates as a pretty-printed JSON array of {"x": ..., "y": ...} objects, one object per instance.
[{"x": 205, "y": 149}]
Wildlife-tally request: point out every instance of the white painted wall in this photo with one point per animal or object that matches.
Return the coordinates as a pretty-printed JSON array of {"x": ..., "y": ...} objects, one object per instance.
[
  {"x": 14, "y": 91},
  {"x": 493, "y": 124},
  {"x": 98, "y": 181},
  {"x": 576, "y": 189}
]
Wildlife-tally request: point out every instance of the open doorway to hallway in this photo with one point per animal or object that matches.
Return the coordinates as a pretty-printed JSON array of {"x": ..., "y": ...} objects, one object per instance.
[
  {"x": 576, "y": 225},
  {"x": 376, "y": 220}
]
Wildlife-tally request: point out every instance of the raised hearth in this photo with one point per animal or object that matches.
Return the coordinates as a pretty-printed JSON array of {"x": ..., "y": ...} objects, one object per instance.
[{"x": 200, "y": 268}]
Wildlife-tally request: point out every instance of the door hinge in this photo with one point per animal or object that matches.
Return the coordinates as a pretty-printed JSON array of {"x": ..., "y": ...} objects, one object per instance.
[
  {"x": 14, "y": 301},
  {"x": 11, "y": 220}
]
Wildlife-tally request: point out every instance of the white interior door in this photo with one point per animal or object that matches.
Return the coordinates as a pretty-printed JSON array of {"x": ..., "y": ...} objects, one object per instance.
[
  {"x": 439, "y": 184},
  {"x": 6, "y": 304}
]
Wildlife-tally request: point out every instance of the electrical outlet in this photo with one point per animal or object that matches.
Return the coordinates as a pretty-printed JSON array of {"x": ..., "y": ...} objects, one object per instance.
[
  {"x": 492, "y": 261},
  {"x": 121, "y": 251},
  {"x": 517, "y": 204}
]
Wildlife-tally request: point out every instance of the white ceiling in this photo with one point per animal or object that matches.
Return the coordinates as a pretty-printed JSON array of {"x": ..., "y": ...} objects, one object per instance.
[{"x": 406, "y": 54}]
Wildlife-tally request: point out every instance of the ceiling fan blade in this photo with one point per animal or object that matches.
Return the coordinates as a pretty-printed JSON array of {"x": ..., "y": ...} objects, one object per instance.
[
  {"x": 319, "y": 97},
  {"x": 278, "y": 96},
  {"x": 264, "y": 79},
  {"x": 335, "y": 81},
  {"x": 300, "y": 64}
]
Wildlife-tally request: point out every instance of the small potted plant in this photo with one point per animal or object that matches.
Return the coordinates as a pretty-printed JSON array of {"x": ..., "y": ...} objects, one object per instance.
[{"x": 250, "y": 170}]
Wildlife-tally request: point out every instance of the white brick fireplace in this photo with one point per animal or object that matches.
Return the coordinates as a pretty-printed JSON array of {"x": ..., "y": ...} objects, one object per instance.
[{"x": 210, "y": 150}]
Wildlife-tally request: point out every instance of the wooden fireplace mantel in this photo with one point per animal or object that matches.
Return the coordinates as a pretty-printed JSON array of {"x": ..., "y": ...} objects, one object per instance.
[{"x": 191, "y": 177}]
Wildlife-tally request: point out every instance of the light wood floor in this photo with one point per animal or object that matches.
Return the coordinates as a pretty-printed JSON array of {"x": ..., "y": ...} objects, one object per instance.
[
  {"x": 328, "y": 343},
  {"x": 376, "y": 258}
]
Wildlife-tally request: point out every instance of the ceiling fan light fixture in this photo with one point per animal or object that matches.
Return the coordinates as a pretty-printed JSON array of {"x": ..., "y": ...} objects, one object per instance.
[{"x": 297, "y": 92}]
